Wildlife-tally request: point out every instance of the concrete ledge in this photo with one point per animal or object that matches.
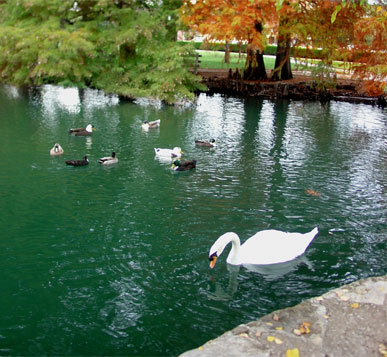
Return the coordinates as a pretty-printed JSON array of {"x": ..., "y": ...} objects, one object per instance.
[{"x": 348, "y": 321}]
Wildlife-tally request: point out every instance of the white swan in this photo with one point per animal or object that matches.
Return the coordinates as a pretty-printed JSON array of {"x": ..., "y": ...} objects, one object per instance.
[
  {"x": 265, "y": 247},
  {"x": 174, "y": 153}
]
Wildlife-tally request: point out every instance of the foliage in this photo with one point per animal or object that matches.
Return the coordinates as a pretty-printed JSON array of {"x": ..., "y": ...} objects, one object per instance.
[
  {"x": 122, "y": 47},
  {"x": 370, "y": 49},
  {"x": 348, "y": 30},
  {"x": 227, "y": 21},
  {"x": 324, "y": 76}
]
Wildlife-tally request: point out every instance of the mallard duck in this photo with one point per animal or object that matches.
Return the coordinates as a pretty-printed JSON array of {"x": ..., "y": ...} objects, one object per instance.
[
  {"x": 210, "y": 143},
  {"x": 83, "y": 162},
  {"x": 183, "y": 165},
  {"x": 108, "y": 160},
  {"x": 175, "y": 152},
  {"x": 56, "y": 150},
  {"x": 150, "y": 124},
  {"x": 265, "y": 247},
  {"x": 82, "y": 131}
]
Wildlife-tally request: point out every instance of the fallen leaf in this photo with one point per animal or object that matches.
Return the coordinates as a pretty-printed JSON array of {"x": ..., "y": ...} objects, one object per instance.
[
  {"x": 355, "y": 305},
  {"x": 275, "y": 317},
  {"x": 269, "y": 324},
  {"x": 275, "y": 339},
  {"x": 303, "y": 330},
  {"x": 200, "y": 348},
  {"x": 383, "y": 349},
  {"x": 244, "y": 334},
  {"x": 293, "y": 353},
  {"x": 313, "y": 193},
  {"x": 326, "y": 316},
  {"x": 297, "y": 332},
  {"x": 258, "y": 333},
  {"x": 279, "y": 328}
]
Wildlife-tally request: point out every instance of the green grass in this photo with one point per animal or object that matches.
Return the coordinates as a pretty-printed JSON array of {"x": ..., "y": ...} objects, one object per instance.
[{"x": 215, "y": 60}]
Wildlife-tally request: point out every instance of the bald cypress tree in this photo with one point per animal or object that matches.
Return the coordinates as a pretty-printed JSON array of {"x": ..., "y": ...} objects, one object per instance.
[{"x": 122, "y": 47}]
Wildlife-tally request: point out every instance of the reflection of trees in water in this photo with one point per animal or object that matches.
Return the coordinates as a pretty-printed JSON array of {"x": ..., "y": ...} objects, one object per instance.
[{"x": 277, "y": 152}]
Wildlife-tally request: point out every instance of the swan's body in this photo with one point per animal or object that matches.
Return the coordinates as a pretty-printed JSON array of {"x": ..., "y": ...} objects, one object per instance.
[
  {"x": 82, "y": 131},
  {"x": 210, "y": 143},
  {"x": 56, "y": 150},
  {"x": 171, "y": 153},
  {"x": 108, "y": 160},
  {"x": 146, "y": 125},
  {"x": 265, "y": 247},
  {"x": 83, "y": 162},
  {"x": 183, "y": 165}
]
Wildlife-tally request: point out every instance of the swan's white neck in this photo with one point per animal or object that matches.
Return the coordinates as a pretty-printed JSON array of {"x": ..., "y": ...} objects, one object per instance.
[{"x": 221, "y": 243}]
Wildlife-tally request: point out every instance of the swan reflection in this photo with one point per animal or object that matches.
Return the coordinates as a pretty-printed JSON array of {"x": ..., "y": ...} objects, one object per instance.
[{"x": 269, "y": 272}]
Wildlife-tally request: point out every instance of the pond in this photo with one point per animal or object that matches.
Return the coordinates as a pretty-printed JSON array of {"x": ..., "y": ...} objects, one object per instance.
[{"x": 113, "y": 260}]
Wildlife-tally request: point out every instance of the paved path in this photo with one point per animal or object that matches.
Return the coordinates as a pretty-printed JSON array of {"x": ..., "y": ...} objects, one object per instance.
[{"x": 348, "y": 321}]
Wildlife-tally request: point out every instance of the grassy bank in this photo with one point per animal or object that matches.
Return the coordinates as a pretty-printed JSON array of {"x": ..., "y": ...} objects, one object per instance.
[{"x": 215, "y": 60}]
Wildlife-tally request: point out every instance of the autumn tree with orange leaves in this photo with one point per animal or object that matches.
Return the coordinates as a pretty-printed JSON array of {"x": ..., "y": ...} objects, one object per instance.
[
  {"x": 350, "y": 31},
  {"x": 369, "y": 47},
  {"x": 226, "y": 21}
]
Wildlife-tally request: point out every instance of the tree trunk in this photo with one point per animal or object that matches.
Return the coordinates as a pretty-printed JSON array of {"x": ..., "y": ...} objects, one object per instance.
[
  {"x": 227, "y": 53},
  {"x": 282, "y": 68},
  {"x": 255, "y": 66}
]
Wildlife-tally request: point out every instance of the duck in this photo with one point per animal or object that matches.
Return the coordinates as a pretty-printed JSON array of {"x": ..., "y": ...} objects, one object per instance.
[
  {"x": 83, "y": 162},
  {"x": 174, "y": 153},
  {"x": 56, "y": 150},
  {"x": 183, "y": 165},
  {"x": 265, "y": 247},
  {"x": 146, "y": 125},
  {"x": 108, "y": 160},
  {"x": 209, "y": 143},
  {"x": 82, "y": 131}
]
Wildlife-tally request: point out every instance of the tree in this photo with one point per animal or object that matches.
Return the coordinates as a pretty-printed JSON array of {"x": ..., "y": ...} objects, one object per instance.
[
  {"x": 282, "y": 67},
  {"x": 226, "y": 21},
  {"x": 369, "y": 49},
  {"x": 123, "y": 47}
]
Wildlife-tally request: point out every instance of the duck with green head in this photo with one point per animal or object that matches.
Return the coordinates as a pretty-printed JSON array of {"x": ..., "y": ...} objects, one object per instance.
[{"x": 183, "y": 165}]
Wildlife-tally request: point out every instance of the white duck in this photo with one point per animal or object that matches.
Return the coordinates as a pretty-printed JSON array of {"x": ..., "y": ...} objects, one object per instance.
[
  {"x": 174, "y": 153},
  {"x": 146, "y": 125},
  {"x": 56, "y": 150},
  {"x": 265, "y": 247},
  {"x": 108, "y": 160}
]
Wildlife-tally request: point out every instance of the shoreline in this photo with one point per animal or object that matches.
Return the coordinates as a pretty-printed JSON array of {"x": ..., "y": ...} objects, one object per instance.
[
  {"x": 347, "y": 321},
  {"x": 301, "y": 87}
]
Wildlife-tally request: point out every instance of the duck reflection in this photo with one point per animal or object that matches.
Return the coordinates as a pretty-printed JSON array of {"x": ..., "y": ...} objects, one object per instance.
[
  {"x": 269, "y": 272},
  {"x": 89, "y": 142}
]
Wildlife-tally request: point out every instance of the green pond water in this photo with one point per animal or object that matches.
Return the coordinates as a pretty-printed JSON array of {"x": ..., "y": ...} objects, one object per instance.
[{"x": 114, "y": 260}]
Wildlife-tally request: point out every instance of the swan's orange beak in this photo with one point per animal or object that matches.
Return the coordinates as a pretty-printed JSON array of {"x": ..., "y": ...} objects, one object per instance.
[{"x": 213, "y": 261}]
